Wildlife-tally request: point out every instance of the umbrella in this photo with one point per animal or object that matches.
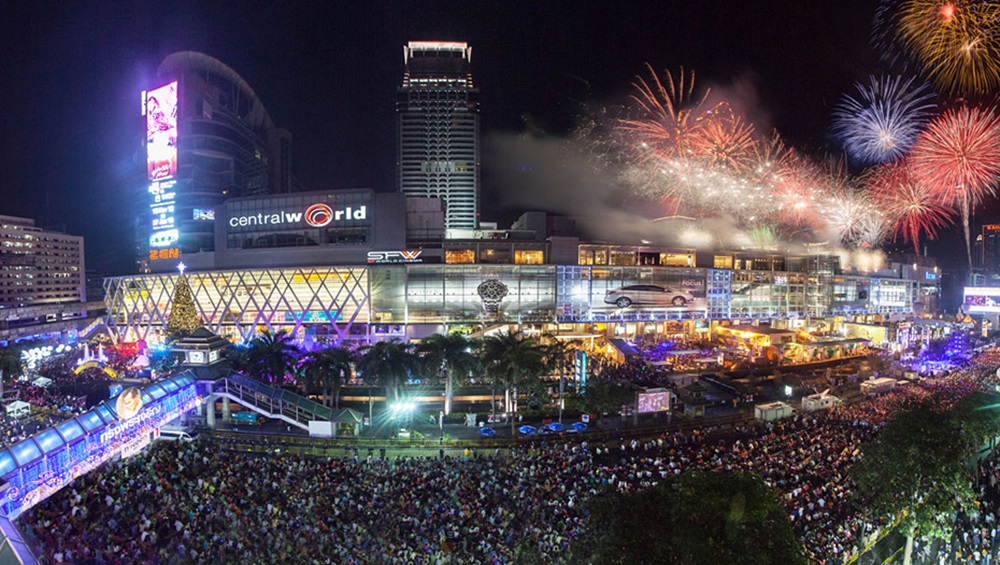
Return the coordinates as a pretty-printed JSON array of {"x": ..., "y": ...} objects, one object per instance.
[
  {"x": 579, "y": 426},
  {"x": 527, "y": 430},
  {"x": 555, "y": 426},
  {"x": 488, "y": 432}
]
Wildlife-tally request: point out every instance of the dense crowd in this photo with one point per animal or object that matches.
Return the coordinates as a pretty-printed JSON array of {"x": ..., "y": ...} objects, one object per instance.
[
  {"x": 192, "y": 502},
  {"x": 197, "y": 503}
]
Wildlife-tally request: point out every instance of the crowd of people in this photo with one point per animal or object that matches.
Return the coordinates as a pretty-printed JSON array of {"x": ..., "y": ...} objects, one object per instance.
[
  {"x": 195, "y": 503},
  {"x": 198, "y": 503}
]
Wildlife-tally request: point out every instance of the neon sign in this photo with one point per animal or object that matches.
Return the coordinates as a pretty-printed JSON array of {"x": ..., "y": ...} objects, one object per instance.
[
  {"x": 317, "y": 216},
  {"x": 382, "y": 257}
]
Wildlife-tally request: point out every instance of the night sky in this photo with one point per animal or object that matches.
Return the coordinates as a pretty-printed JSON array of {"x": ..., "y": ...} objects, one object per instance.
[{"x": 72, "y": 134}]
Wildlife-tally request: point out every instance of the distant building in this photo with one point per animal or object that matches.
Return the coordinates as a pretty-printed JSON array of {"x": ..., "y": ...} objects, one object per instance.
[
  {"x": 42, "y": 283},
  {"x": 38, "y": 266},
  {"x": 438, "y": 135},
  {"x": 208, "y": 138},
  {"x": 989, "y": 250}
]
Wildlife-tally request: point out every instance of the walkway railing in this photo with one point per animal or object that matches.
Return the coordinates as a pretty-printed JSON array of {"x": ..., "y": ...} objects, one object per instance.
[{"x": 274, "y": 403}]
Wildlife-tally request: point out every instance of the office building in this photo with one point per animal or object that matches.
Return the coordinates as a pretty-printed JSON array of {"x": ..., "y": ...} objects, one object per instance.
[{"x": 438, "y": 129}]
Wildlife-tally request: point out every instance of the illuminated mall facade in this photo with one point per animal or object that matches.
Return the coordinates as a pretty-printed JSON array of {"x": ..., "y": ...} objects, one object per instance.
[{"x": 359, "y": 266}]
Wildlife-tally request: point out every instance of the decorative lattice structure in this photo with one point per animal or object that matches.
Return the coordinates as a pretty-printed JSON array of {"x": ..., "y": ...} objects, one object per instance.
[{"x": 332, "y": 301}]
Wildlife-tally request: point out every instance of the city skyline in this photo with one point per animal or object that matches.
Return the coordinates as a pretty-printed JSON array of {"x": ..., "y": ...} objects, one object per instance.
[{"x": 536, "y": 66}]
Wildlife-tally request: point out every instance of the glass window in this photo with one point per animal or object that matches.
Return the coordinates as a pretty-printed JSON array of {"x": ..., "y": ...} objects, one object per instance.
[
  {"x": 622, "y": 258},
  {"x": 586, "y": 257},
  {"x": 601, "y": 257},
  {"x": 453, "y": 256},
  {"x": 529, "y": 257},
  {"x": 723, "y": 262}
]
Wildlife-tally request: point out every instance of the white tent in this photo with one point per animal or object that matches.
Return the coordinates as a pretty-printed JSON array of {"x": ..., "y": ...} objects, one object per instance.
[
  {"x": 18, "y": 409},
  {"x": 42, "y": 382}
]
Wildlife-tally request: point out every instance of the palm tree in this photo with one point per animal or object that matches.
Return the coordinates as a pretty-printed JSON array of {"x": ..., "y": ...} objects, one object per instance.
[
  {"x": 513, "y": 361},
  {"x": 10, "y": 365},
  {"x": 387, "y": 364},
  {"x": 269, "y": 357},
  {"x": 328, "y": 369},
  {"x": 452, "y": 354},
  {"x": 558, "y": 353}
]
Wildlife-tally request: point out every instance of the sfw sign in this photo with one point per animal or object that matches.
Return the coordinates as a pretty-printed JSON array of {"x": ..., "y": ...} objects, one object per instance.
[
  {"x": 383, "y": 257},
  {"x": 317, "y": 216}
]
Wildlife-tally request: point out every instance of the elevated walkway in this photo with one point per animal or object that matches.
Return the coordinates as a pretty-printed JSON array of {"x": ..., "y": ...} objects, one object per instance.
[{"x": 278, "y": 404}]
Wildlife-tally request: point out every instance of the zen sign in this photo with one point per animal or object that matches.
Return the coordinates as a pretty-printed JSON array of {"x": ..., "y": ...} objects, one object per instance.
[{"x": 384, "y": 257}]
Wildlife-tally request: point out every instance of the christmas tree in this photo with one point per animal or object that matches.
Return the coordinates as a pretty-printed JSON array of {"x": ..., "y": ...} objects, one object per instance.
[{"x": 183, "y": 315}]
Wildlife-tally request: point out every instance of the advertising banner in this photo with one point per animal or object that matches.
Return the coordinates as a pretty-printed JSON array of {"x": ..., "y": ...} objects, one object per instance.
[{"x": 161, "y": 132}]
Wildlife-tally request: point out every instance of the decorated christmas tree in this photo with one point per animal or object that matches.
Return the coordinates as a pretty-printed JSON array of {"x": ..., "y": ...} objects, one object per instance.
[{"x": 183, "y": 314}]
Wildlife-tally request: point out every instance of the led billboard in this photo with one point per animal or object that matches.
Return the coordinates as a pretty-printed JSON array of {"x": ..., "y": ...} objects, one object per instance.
[
  {"x": 982, "y": 299},
  {"x": 654, "y": 400},
  {"x": 161, "y": 132}
]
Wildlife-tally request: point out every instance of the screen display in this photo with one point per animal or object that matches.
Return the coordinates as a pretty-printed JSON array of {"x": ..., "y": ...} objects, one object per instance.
[
  {"x": 203, "y": 214},
  {"x": 161, "y": 132},
  {"x": 654, "y": 402},
  {"x": 978, "y": 299}
]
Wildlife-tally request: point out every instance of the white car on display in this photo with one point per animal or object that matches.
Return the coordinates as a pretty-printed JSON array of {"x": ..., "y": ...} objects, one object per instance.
[{"x": 647, "y": 294}]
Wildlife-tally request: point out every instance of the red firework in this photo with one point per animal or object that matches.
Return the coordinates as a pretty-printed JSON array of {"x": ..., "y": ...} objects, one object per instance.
[
  {"x": 911, "y": 209},
  {"x": 671, "y": 120},
  {"x": 726, "y": 142},
  {"x": 957, "y": 158}
]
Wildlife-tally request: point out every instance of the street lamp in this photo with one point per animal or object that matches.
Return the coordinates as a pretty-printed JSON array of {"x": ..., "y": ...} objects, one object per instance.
[{"x": 403, "y": 410}]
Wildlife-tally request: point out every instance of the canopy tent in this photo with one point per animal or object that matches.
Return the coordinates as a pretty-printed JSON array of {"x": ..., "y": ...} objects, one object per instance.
[
  {"x": 42, "y": 382},
  {"x": 18, "y": 409}
]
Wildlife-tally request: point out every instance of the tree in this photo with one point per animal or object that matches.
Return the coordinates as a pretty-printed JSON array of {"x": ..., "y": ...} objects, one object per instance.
[
  {"x": 916, "y": 468},
  {"x": 453, "y": 354},
  {"x": 558, "y": 353},
  {"x": 387, "y": 364},
  {"x": 11, "y": 366},
  {"x": 10, "y": 362},
  {"x": 697, "y": 517},
  {"x": 604, "y": 396},
  {"x": 183, "y": 318},
  {"x": 268, "y": 357},
  {"x": 513, "y": 361},
  {"x": 328, "y": 369}
]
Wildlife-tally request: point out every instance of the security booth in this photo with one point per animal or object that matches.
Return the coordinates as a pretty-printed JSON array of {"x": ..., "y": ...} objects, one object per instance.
[
  {"x": 875, "y": 386},
  {"x": 773, "y": 411},
  {"x": 821, "y": 401}
]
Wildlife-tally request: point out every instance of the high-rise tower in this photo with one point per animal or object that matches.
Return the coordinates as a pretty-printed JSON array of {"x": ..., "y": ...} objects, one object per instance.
[
  {"x": 208, "y": 139},
  {"x": 438, "y": 135}
]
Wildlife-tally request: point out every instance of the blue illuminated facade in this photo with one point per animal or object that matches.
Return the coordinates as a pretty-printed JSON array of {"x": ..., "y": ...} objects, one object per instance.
[{"x": 51, "y": 459}]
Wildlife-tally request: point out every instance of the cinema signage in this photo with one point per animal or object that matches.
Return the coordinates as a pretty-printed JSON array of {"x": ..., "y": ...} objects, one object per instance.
[
  {"x": 317, "y": 216},
  {"x": 387, "y": 257}
]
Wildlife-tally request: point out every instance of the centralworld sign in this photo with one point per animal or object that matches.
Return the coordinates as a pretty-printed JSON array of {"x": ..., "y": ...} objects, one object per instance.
[{"x": 316, "y": 215}]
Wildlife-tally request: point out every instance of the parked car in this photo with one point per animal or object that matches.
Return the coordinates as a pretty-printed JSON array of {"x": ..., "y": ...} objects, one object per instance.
[{"x": 647, "y": 294}]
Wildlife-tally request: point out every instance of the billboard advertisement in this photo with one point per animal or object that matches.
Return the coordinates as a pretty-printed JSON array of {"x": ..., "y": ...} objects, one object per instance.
[
  {"x": 981, "y": 299},
  {"x": 161, "y": 132},
  {"x": 612, "y": 292},
  {"x": 654, "y": 400}
]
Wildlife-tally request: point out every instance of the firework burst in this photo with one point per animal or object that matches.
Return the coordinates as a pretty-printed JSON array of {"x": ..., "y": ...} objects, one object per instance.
[
  {"x": 957, "y": 157},
  {"x": 883, "y": 120},
  {"x": 911, "y": 209},
  {"x": 956, "y": 41},
  {"x": 671, "y": 121}
]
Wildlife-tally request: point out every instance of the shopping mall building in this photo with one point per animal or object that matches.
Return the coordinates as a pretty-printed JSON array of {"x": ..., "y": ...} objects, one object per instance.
[{"x": 358, "y": 266}]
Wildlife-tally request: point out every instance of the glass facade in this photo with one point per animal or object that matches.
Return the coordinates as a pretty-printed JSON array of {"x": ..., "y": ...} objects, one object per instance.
[
  {"x": 363, "y": 303},
  {"x": 767, "y": 294}
]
